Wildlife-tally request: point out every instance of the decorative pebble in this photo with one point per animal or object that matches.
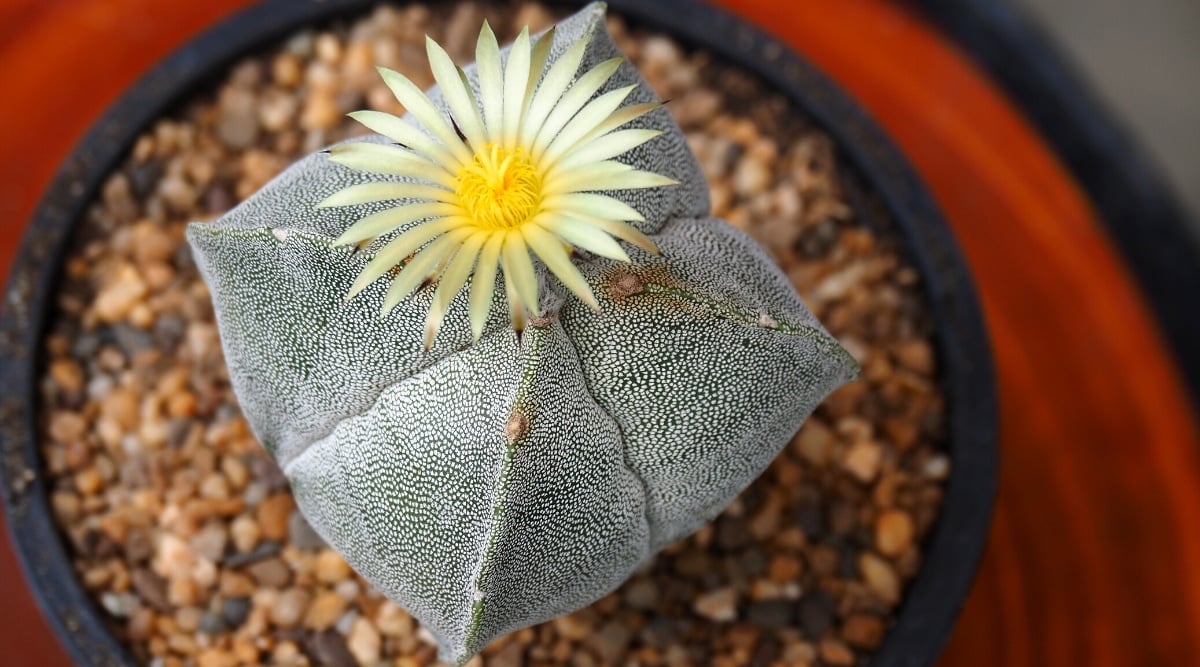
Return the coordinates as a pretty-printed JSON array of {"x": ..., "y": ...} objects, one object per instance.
[
  {"x": 290, "y": 607},
  {"x": 364, "y": 642},
  {"x": 719, "y": 605},
  {"x": 880, "y": 576},
  {"x": 894, "y": 532},
  {"x": 273, "y": 514},
  {"x": 324, "y": 611},
  {"x": 863, "y": 460}
]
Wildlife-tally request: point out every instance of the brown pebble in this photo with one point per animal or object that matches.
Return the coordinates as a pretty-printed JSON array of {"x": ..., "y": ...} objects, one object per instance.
[
  {"x": 364, "y": 642},
  {"x": 815, "y": 442},
  {"x": 290, "y": 607},
  {"x": 245, "y": 532},
  {"x": 273, "y": 514},
  {"x": 89, "y": 482},
  {"x": 329, "y": 648},
  {"x": 915, "y": 355},
  {"x": 215, "y": 657},
  {"x": 151, "y": 588},
  {"x": 880, "y": 577},
  {"x": 863, "y": 631},
  {"x": 271, "y": 573},
  {"x": 785, "y": 568},
  {"x": 286, "y": 70},
  {"x": 836, "y": 653},
  {"x": 324, "y": 611},
  {"x": 863, "y": 459},
  {"x": 234, "y": 584},
  {"x": 575, "y": 626},
  {"x": 894, "y": 532},
  {"x": 331, "y": 568},
  {"x": 719, "y": 605}
]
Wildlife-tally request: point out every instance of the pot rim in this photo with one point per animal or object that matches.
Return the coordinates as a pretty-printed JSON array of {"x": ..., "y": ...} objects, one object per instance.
[{"x": 954, "y": 545}]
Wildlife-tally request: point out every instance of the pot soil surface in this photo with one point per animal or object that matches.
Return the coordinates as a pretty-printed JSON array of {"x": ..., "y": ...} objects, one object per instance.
[{"x": 185, "y": 532}]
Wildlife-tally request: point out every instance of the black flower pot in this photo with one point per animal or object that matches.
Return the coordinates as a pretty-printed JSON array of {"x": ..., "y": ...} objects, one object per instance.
[{"x": 955, "y": 543}]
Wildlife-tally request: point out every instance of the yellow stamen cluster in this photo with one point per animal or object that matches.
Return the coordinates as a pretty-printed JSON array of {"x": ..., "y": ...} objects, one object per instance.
[{"x": 499, "y": 189}]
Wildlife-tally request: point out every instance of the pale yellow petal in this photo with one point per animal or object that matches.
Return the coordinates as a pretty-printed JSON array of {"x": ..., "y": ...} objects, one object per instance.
[
  {"x": 537, "y": 63},
  {"x": 423, "y": 267},
  {"x": 550, "y": 250},
  {"x": 584, "y": 234},
  {"x": 620, "y": 117},
  {"x": 628, "y": 233},
  {"x": 366, "y": 193},
  {"x": 605, "y": 147},
  {"x": 483, "y": 284},
  {"x": 491, "y": 80},
  {"x": 382, "y": 222},
  {"x": 394, "y": 252},
  {"x": 605, "y": 175},
  {"x": 390, "y": 161},
  {"x": 576, "y": 96},
  {"x": 593, "y": 112},
  {"x": 516, "y": 82},
  {"x": 561, "y": 181},
  {"x": 518, "y": 270},
  {"x": 407, "y": 135},
  {"x": 457, "y": 93},
  {"x": 516, "y": 308},
  {"x": 551, "y": 89},
  {"x": 595, "y": 205},
  {"x": 415, "y": 101},
  {"x": 450, "y": 283}
]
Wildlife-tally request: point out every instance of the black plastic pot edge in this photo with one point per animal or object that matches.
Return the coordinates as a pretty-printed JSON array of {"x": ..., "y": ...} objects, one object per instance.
[
  {"x": 955, "y": 546},
  {"x": 1156, "y": 235}
]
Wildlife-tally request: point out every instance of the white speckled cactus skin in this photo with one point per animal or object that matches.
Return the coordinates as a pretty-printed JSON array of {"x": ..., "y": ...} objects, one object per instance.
[{"x": 486, "y": 487}]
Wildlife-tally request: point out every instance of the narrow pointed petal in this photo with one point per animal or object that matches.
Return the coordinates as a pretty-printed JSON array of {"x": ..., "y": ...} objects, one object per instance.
[
  {"x": 387, "y": 220},
  {"x": 390, "y": 161},
  {"x": 518, "y": 270},
  {"x": 597, "y": 176},
  {"x": 406, "y": 134},
  {"x": 516, "y": 308},
  {"x": 550, "y": 250},
  {"x": 483, "y": 284},
  {"x": 491, "y": 80},
  {"x": 516, "y": 82},
  {"x": 374, "y": 192},
  {"x": 627, "y": 233},
  {"x": 457, "y": 93},
  {"x": 607, "y": 146},
  {"x": 576, "y": 96},
  {"x": 415, "y": 101},
  {"x": 422, "y": 265},
  {"x": 451, "y": 283},
  {"x": 396, "y": 250},
  {"x": 587, "y": 118},
  {"x": 596, "y": 205},
  {"x": 551, "y": 89},
  {"x": 561, "y": 180},
  {"x": 537, "y": 62},
  {"x": 620, "y": 117},
  {"x": 584, "y": 234}
]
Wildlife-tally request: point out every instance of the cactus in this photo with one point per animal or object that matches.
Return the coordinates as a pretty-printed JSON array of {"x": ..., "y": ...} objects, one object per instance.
[{"x": 490, "y": 472}]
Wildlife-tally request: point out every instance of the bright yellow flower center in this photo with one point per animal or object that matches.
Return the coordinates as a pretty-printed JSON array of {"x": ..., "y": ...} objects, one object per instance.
[{"x": 499, "y": 189}]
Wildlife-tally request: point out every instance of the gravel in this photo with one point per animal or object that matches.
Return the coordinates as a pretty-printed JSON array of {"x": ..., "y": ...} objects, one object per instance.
[{"x": 185, "y": 532}]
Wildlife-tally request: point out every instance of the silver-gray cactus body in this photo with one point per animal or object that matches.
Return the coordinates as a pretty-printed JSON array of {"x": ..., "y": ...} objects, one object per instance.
[{"x": 486, "y": 487}]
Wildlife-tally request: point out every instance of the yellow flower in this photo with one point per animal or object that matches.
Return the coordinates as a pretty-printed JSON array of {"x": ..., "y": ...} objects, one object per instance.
[{"x": 513, "y": 173}]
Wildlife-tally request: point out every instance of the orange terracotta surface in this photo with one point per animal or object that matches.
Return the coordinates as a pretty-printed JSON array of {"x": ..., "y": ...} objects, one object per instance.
[{"x": 1094, "y": 557}]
